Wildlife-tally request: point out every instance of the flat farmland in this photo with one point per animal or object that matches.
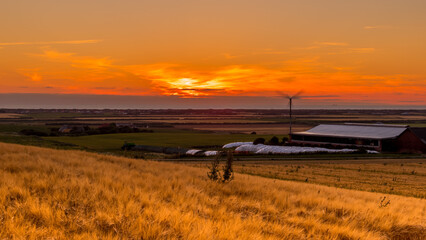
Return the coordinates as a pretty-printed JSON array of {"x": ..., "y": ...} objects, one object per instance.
[
  {"x": 165, "y": 138},
  {"x": 181, "y": 128},
  {"x": 279, "y": 129},
  {"x": 394, "y": 176},
  {"x": 202, "y": 121},
  {"x": 231, "y": 121},
  {"x": 10, "y": 115}
]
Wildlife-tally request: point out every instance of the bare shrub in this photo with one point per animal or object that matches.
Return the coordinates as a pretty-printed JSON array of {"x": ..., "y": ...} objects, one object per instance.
[
  {"x": 228, "y": 172},
  {"x": 384, "y": 202},
  {"x": 214, "y": 173}
]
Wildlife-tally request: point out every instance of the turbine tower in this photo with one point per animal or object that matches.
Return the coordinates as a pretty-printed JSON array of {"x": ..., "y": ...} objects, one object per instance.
[{"x": 290, "y": 102}]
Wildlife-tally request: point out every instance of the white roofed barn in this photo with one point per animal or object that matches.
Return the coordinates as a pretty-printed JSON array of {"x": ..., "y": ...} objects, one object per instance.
[{"x": 381, "y": 137}]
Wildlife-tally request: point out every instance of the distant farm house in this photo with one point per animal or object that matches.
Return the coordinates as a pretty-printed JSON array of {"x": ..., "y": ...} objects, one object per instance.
[
  {"x": 71, "y": 129},
  {"x": 65, "y": 129},
  {"x": 131, "y": 125},
  {"x": 380, "y": 137}
]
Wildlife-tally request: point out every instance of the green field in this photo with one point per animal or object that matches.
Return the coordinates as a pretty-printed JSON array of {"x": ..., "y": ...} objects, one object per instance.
[
  {"x": 9, "y": 133},
  {"x": 185, "y": 129},
  {"x": 35, "y": 141},
  {"x": 15, "y": 128},
  {"x": 112, "y": 142},
  {"x": 172, "y": 138}
]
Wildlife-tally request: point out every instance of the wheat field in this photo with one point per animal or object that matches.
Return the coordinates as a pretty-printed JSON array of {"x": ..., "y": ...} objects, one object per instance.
[
  {"x": 406, "y": 177},
  {"x": 53, "y": 194}
]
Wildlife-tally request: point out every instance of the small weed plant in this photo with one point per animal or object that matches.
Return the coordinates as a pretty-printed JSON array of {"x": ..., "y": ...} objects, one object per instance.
[
  {"x": 384, "y": 202},
  {"x": 214, "y": 173},
  {"x": 228, "y": 173}
]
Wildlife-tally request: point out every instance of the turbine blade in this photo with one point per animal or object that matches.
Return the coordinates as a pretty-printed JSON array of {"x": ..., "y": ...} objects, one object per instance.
[
  {"x": 282, "y": 94},
  {"x": 297, "y": 95}
]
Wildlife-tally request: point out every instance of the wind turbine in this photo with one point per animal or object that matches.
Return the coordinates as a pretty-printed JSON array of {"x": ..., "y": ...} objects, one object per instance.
[{"x": 290, "y": 102}]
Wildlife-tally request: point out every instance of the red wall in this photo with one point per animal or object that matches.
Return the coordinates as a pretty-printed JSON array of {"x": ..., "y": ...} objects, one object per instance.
[{"x": 408, "y": 142}]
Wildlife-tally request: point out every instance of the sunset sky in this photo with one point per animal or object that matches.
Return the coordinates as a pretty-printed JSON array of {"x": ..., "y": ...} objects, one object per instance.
[{"x": 346, "y": 53}]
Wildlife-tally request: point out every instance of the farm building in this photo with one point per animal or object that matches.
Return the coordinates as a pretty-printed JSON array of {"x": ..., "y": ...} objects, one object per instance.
[
  {"x": 380, "y": 137},
  {"x": 65, "y": 129}
]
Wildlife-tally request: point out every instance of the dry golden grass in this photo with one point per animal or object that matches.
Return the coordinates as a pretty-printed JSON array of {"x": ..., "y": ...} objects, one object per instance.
[
  {"x": 51, "y": 194},
  {"x": 10, "y": 115},
  {"x": 394, "y": 176}
]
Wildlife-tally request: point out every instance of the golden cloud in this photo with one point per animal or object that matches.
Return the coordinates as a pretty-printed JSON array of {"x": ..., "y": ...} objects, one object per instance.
[{"x": 312, "y": 74}]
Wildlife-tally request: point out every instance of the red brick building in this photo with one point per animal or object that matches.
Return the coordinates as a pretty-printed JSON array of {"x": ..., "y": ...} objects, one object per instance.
[{"x": 380, "y": 137}]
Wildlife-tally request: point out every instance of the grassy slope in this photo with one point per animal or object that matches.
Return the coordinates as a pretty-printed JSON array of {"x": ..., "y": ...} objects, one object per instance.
[
  {"x": 78, "y": 195},
  {"x": 396, "y": 176}
]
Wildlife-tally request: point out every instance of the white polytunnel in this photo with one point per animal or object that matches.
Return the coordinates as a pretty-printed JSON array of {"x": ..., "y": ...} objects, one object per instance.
[
  {"x": 235, "y": 144},
  {"x": 193, "y": 152},
  {"x": 268, "y": 149},
  {"x": 210, "y": 153}
]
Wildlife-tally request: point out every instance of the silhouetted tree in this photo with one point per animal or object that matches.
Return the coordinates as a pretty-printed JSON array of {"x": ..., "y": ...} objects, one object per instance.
[
  {"x": 259, "y": 141},
  {"x": 274, "y": 141}
]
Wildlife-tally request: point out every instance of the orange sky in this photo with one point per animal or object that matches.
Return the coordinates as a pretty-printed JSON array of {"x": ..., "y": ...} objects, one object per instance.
[{"x": 345, "y": 51}]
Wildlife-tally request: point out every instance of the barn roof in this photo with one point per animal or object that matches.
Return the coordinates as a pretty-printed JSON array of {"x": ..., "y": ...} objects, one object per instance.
[{"x": 370, "y": 131}]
